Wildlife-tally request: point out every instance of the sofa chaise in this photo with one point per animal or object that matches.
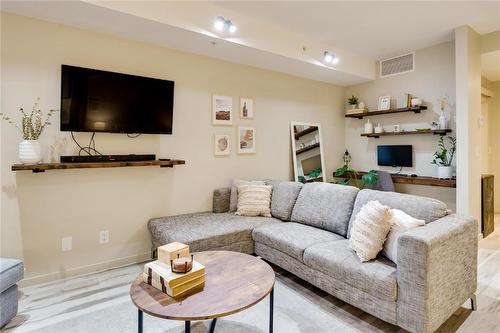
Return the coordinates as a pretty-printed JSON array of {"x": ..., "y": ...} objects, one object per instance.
[
  {"x": 435, "y": 272},
  {"x": 11, "y": 272}
]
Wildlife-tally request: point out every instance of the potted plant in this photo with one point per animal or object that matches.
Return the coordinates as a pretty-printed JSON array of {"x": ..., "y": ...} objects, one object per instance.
[
  {"x": 444, "y": 156},
  {"x": 353, "y": 102},
  {"x": 352, "y": 177},
  {"x": 31, "y": 126}
]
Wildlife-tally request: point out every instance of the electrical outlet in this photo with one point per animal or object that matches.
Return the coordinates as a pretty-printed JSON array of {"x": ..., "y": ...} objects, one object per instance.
[
  {"x": 103, "y": 237},
  {"x": 67, "y": 244}
]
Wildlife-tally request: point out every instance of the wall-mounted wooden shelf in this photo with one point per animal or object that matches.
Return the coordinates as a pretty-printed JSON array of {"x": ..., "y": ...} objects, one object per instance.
[
  {"x": 306, "y": 131},
  {"x": 436, "y": 132},
  {"x": 41, "y": 167},
  {"x": 303, "y": 150},
  {"x": 416, "y": 109},
  {"x": 418, "y": 180}
]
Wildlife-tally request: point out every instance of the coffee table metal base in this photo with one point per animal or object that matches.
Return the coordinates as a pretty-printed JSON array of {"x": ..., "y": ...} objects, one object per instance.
[{"x": 187, "y": 324}]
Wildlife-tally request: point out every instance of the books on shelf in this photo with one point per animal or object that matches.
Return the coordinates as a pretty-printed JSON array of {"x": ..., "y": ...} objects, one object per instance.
[
  {"x": 160, "y": 276},
  {"x": 355, "y": 111}
]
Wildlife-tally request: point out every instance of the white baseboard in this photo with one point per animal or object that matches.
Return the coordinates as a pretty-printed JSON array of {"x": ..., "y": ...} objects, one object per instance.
[{"x": 85, "y": 270}]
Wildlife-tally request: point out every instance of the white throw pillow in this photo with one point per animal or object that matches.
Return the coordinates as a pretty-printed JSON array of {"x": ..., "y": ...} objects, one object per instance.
[
  {"x": 370, "y": 229},
  {"x": 401, "y": 222},
  {"x": 254, "y": 200},
  {"x": 233, "y": 200}
]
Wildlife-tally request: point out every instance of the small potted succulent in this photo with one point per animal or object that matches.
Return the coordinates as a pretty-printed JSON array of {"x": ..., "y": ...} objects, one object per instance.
[
  {"x": 353, "y": 102},
  {"x": 444, "y": 156},
  {"x": 31, "y": 126}
]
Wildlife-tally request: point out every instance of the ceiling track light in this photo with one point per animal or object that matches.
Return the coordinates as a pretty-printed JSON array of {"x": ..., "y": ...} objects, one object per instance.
[
  {"x": 221, "y": 24},
  {"x": 330, "y": 58}
]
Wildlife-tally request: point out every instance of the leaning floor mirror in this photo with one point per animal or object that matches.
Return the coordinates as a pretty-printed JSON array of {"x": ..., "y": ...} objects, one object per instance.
[{"x": 307, "y": 152}]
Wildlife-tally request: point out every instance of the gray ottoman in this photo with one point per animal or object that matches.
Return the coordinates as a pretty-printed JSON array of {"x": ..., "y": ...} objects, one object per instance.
[{"x": 11, "y": 272}]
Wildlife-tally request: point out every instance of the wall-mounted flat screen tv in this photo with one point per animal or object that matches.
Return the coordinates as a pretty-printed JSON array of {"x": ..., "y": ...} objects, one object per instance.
[
  {"x": 395, "y": 155},
  {"x": 100, "y": 101}
]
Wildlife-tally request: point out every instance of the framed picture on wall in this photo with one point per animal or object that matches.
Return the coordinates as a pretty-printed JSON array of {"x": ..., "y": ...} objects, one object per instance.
[
  {"x": 384, "y": 103},
  {"x": 222, "y": 110},
  {"x": 246, "y": 108},
  {"x": 246, "y": 140},
  {"x": 222, "y": 144}
]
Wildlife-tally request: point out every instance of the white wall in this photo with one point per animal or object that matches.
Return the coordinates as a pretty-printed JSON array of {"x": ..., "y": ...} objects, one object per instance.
[
  {"x": 494, "y": 140},
  {"x": 39, "y": 209},
  {"x": 468, "y": 92},
  {"x": 433, "y": 78}
]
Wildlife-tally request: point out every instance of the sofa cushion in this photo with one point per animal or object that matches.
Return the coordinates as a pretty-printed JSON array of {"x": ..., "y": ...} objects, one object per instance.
[
  {"x": 325, "y": 206},
  {"x": 205, "y": 231},
  {"x": 283, "y": 198},
  {"x": 11, "y": 272},
  {"x": 292, "y": 238},
  {"x": 421, "y": 208},
  {"x": 376, "y": 277}
]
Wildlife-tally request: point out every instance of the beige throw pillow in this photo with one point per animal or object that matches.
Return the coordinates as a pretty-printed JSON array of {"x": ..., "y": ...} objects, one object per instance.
[
  {"x": 401, "y": 222},
  {"x": 370, "y": 229},
  {"x": 254, "y": 200},
  {"x": 233, "y": 200}
]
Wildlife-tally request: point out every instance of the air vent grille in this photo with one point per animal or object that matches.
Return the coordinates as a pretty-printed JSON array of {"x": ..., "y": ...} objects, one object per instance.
[{"x": 397, "y": 65}]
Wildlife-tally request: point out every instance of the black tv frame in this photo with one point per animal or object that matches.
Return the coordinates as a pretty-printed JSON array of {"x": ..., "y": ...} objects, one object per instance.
[{"x": 69, "y": 129}]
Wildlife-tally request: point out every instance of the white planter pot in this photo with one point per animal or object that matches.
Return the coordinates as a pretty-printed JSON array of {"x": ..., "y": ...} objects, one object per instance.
[
  {"x": 353, "y": 106},
  {"x": 30, "y": 151},
  {"x": 445, "y": 172}
]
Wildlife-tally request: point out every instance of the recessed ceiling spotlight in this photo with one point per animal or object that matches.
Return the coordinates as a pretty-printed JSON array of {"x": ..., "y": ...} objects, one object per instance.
[
  {"x": 330, "y": 58},
  {"x": 231, "y": 27},
  {"x": 219, "y": 23}
]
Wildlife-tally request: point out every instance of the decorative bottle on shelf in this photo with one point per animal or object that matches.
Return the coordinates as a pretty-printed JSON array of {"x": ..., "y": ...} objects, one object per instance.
[
  {"x": 379, "y": 129},
  {"x": 442, "y": 120},
  {"x": 368, "y": 127}
]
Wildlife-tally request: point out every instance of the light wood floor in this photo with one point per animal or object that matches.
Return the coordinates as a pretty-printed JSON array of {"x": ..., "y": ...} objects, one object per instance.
[{"x": 100, "y": 303}]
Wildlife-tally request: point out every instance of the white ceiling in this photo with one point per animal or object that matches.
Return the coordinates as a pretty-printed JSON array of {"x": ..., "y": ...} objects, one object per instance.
[
  {"x": 490, "y": 65},
  {"x": 272, "y": 35},
  {"x": 378, "y": 29}
]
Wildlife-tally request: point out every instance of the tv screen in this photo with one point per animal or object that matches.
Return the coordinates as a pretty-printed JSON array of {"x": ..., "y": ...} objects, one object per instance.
[
  {"x": 99, "y": 101},
  {"x": 397, "y": 155}
]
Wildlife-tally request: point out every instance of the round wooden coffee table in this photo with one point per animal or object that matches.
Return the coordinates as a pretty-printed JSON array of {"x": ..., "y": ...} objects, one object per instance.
[{"x": 233, "y": 282}]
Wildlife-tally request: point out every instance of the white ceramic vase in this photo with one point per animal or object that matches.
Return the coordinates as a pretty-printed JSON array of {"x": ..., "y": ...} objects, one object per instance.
[
  {"x": 30, "y": 151},
  {"x": 445, "y": 172}
]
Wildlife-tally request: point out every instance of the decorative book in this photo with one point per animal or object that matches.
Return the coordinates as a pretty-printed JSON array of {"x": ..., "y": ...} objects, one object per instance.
[
  {"x": 159, "y": 283},
  {"x": 157, "y": 269},
  {"x": 355, "y": 111}
]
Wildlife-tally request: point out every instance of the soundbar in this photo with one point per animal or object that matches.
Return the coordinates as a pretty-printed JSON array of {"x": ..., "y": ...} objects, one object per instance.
[{"x": 108, "y": 158}]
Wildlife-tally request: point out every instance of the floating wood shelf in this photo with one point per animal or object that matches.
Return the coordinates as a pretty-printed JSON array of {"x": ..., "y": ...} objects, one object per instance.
[
  {"x": 419, "y": 180},
  {"x": 41, "y": 167},
  {"x": 303, "y": 150},
  {"x": 436, "y": 132},
  {"x": 306, "y": 131},
  {"x": 416, "y": 109}
]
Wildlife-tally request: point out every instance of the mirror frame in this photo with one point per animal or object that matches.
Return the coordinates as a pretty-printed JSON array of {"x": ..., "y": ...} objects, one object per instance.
[{"x": 294, "y": 148}]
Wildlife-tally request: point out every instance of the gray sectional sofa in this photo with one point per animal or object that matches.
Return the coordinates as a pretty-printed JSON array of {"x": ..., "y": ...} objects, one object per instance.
[{"x": 434, "y": 275}]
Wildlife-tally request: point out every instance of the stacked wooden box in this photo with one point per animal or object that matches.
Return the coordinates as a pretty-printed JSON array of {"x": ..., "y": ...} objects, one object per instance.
[{"x": 159, "y": 273}]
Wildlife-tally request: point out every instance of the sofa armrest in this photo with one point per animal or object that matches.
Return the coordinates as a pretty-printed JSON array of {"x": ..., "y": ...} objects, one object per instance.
[
  {"x": 221, "y": 200},
  {"x": 437, "y": 272}
]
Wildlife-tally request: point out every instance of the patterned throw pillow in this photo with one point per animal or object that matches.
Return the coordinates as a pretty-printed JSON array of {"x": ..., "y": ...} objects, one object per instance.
[
  {"x": 370, "y": 229},
  {"x": 254, "y": 200},
  {"x": 233, "y": 200}
]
